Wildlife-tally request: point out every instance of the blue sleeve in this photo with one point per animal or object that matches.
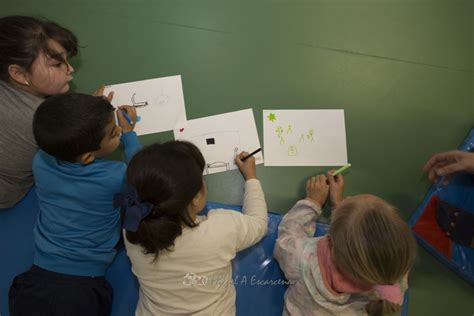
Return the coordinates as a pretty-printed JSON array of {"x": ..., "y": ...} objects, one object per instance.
[{"x": 130, "y": 144}]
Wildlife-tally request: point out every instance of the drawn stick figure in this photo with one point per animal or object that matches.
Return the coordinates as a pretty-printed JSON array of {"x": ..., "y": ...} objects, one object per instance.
[
  {"x": 311, "y": 135},
  {"x": 302, "y": 138},
  {"x": 279, "y": 131},
  {"x": 282, "y": 140}
]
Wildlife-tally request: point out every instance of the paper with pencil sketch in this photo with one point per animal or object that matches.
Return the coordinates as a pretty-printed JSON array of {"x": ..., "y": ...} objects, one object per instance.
[
  {"x": 159, "y": 103},
  {"x": 304, "y": 138},
  {"x": 221, "y": 137}
]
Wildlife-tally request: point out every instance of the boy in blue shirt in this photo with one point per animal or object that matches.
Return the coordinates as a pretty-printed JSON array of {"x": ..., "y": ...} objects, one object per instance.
[{"x": 77, "y": 228}]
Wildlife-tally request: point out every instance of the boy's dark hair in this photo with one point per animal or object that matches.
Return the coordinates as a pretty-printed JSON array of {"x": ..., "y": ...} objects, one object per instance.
[
  {"x": 169, "y": 176},
  {"x": 22, "y": 38},
  {"x": 68, "y": 125}
]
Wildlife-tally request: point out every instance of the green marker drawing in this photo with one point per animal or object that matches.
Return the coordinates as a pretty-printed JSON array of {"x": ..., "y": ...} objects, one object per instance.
[
  {"x": 302, "y": 138},
  {"x": 271, "y": 117},
  {"x": 292, "y": 151},
  {"x": 279, "y": 131},
  {"x": 282, "y": 140},
  {"x": 310, "y": 135},
  {"x": 338, "y": 171}
]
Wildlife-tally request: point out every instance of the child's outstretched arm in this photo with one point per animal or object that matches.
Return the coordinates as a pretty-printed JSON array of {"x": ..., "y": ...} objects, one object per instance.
[
  {"x": 298, "y": 225},
  {"x": 300, "y": 220},
  {"x": 129, "y": 137},
  {"x": 250, "y": 226}
]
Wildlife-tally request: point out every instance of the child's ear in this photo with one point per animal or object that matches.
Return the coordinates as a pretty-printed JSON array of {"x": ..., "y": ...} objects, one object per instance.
[
  {"x": 86, "y": 158},
  {"x": 197, "y": 200},
  {"x": 18, "y": 74}
]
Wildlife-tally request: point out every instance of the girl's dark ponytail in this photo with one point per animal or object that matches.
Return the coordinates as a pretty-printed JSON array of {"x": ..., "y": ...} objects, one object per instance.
[{"x": 168, "y": 176}]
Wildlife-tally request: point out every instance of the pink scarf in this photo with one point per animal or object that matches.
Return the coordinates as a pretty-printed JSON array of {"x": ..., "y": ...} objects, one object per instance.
[{"x": 339, "y": 283}]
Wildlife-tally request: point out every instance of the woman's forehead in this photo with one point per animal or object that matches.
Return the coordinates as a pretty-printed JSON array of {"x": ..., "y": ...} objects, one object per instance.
[
  {"x": 55, "y": 46},
  {"x": 55, "y": 50}
]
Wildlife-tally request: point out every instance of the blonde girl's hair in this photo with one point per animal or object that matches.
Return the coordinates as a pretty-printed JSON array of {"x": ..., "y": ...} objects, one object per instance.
[{"x": 370, "y": 242}]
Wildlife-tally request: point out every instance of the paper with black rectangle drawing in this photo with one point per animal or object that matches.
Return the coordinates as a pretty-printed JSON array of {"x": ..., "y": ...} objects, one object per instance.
[{"x": 221, "y": 137}]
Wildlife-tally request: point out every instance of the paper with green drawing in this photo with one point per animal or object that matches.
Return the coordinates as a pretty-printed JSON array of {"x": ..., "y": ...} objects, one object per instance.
[{"x": 304, "y": 137}]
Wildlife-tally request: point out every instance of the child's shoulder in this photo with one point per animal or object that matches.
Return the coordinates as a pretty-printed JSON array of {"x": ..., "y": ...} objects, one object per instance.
[
  {"x": 222, "y": 213},
  {"x": 311, "y": 243},
  {"x": 43, "y": 163},
  {"x": 221, "y": 216},
  {"x": 41, "y": 157}
]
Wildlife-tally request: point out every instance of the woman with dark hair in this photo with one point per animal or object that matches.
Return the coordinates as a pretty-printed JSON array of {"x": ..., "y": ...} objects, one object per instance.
[{"x": 33, "y": 65}]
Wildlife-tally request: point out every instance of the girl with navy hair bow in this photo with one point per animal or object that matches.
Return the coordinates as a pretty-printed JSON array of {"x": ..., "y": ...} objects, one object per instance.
[{"x": 183, "y": 260}]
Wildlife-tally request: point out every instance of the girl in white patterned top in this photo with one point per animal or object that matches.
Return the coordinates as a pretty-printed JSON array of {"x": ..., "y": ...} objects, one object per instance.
[{"x": 359, "y": 268}]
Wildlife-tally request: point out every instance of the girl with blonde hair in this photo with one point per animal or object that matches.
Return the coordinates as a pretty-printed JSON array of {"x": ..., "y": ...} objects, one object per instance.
[{"x": 360, "y": 267}]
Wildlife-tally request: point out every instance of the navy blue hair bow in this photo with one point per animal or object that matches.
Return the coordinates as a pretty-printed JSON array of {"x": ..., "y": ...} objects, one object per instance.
[{"x": 132, "y": 208}]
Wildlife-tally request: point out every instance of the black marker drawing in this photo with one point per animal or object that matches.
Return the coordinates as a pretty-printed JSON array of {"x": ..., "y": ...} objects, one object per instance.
[
  {"x": 216, "y": 165},
  {"x": 219, "y": 149},
  {"x": 138, "y": 104}
]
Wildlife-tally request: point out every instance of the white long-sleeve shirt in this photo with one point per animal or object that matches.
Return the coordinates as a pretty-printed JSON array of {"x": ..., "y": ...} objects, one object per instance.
[
  {"x": 196, "y": 277},
  {"x": 296, "y": 252}
]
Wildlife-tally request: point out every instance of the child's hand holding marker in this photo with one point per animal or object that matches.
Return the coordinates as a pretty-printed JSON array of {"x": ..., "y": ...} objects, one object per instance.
[
  {"x": 246, "y": 164},
  {"x": 251, "y": 154},
  {"x": 336, "y": 185},
  {"x": 340, "y": 170},
  {"x": 127, "y": 117}
]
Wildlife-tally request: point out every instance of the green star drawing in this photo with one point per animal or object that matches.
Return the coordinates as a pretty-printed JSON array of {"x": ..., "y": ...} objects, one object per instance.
[{"x": 271, "y": 117}]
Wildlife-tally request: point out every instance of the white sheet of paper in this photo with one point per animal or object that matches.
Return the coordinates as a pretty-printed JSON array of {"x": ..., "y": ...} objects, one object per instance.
[
  {"x": 221, "y": 137},
  {"x": 304, "y": 138},
  {"x": 159, "y": 103}
]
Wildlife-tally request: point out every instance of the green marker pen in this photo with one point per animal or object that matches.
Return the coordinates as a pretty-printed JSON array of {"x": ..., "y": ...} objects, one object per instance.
[{"x": 343, "y": 168}]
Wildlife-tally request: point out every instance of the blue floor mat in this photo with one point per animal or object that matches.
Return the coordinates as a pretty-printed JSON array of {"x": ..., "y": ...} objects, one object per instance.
[{"x": 259, "y": 281}]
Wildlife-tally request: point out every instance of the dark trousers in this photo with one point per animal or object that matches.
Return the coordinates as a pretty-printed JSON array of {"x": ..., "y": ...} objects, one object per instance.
[{"x": 42, "y": 292}]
